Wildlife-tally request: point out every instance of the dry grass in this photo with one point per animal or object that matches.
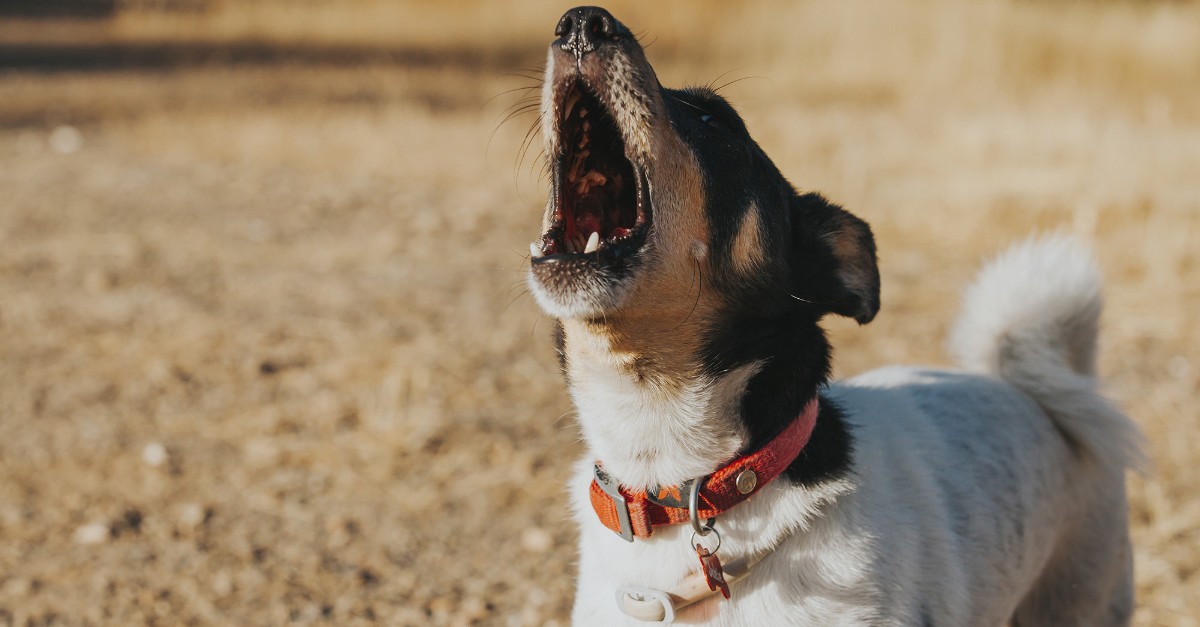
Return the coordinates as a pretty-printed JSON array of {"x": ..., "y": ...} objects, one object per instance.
[{"x": 304, "y": 283}]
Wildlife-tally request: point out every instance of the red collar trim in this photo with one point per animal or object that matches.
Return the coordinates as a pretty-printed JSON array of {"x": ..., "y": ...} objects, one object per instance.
[{"x": 632, "y": 514}]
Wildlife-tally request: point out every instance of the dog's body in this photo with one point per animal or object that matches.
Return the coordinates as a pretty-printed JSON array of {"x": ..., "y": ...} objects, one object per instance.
[{"x": 688, "y": 336}]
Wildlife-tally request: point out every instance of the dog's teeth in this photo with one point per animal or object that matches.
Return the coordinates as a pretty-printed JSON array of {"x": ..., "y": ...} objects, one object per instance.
[
  {"x": 535, "y": 251},
  {"x": 572, "y": 100},
  {"x": 583, "y": 114},
  {"x": 593, "y": 243}
]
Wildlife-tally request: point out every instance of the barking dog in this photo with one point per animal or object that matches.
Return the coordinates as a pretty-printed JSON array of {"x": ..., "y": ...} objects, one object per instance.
[{"x": 689, "y": 278}]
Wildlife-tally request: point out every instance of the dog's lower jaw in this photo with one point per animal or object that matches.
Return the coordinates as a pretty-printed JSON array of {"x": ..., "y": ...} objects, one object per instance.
[{"x": 587, "y": 301}]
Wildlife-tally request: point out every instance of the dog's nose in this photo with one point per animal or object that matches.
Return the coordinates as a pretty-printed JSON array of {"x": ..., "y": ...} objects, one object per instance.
[{"x": 582, "y": 29}]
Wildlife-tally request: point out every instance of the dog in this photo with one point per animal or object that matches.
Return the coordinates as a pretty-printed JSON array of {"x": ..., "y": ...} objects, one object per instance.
[{"x": 689, "y": 278}]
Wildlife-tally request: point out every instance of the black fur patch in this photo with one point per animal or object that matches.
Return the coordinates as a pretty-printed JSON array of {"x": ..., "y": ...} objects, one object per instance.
[
  {"x": 817, "y": 259},
  {"x": 829, "y": 451},
  {"x": 796, "y": 363}
]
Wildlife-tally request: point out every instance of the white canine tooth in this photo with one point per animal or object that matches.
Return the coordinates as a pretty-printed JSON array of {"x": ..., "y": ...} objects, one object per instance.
[
  {"x": 535, "y": 251},
  {"x": 593, "y": 243}
]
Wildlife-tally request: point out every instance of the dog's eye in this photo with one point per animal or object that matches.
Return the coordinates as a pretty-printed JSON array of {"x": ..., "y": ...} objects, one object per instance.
[{"x": 712, "y": 121}]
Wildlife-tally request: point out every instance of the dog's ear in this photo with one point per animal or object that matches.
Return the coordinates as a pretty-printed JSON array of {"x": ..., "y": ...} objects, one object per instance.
[{"x": 833, "y": 259}]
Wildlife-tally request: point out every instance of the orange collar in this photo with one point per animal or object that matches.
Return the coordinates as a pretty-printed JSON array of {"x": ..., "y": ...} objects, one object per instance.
[{"x": 632, "y": 514}]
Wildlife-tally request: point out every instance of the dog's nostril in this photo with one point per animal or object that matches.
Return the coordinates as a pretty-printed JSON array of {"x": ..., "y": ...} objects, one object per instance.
[
  {"x": 596, "y": 25},
  {"x": 564, "y": 26}
]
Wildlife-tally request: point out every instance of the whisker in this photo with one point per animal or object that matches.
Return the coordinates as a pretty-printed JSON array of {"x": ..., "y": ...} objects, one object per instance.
[
  {"x": 526, "y": 143},
  {"x": 533, "y": 328},
  {"x": 811, "y": 302},
  {"x": 514, "y": 299},
  {"x": 719, "y": 77},
  {"x": 512, "y": 113},
  {"x": 687, "y": 104},
  {"x": 513, "y": 90},
  {"x": 640, "y": 37},
  {"x": 738, "y": 80},
  {"x": 698, "y": 274}
]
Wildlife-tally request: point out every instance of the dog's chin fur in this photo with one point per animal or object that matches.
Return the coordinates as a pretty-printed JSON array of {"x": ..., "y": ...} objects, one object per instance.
[
  {"x": 924, "y": 497},
  {"x": 591, "y": 300}
]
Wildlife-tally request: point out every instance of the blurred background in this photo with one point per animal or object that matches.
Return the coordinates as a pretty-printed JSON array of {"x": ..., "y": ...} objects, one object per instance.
[{"x": 266, "y": 353}]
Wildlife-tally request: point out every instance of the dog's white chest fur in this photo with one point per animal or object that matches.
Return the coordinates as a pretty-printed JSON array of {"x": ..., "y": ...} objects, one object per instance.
[
  {"x": 649, "y": 434},
  {"x": 950, "y": 470}
]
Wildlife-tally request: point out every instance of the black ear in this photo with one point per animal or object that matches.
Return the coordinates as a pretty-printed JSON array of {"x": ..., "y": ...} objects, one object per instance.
[{"x": 833, "y": 259}]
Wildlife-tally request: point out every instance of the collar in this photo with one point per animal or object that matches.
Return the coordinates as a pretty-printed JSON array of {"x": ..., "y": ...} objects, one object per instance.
[{"x": 632, "y": 514}]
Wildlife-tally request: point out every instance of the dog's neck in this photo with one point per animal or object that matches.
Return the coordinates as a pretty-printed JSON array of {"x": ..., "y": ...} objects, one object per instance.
[
  {"x": 657, "y": 407},
  {"x": 648, "y": 411}
]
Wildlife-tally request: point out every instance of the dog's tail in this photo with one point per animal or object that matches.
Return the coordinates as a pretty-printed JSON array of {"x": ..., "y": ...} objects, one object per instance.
[{"x": 1032, "y": 318}]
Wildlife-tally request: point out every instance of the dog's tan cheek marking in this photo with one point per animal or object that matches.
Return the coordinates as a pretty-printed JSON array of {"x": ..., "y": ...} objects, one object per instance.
[
  {"x": 674, "y": 296},
  {"x": 747, "y": 253},
  {"x": 853, "y": 260}
]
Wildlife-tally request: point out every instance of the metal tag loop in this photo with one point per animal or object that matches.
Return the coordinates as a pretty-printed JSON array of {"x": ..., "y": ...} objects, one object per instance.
[{"x": 694, "y": 509}]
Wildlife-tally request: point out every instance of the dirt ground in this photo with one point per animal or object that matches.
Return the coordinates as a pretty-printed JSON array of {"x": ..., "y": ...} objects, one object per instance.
[{"x": 266, "y": 353}]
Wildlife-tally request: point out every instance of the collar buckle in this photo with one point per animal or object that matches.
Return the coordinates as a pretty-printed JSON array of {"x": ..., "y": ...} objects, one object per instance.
[{"x": 620, "y": 503}]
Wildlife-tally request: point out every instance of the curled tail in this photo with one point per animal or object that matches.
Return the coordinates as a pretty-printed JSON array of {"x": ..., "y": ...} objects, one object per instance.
[{"x": 1032, "y": 317}]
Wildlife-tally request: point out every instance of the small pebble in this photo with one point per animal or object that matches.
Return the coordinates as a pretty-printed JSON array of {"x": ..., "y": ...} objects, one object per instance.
[
  {"x": 91, "y": 533},
  {"x": 154, "y": 454}
]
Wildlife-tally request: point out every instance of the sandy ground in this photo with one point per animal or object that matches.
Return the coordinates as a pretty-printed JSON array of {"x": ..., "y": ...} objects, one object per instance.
[{"x": 266, "y": 354}]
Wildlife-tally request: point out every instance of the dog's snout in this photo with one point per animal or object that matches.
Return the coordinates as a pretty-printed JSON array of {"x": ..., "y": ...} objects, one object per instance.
[{"x": 582, "y": 29}]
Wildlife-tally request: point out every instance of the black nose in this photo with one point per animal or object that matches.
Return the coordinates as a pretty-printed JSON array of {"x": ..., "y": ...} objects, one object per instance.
[{"x": 583, "y": 28}]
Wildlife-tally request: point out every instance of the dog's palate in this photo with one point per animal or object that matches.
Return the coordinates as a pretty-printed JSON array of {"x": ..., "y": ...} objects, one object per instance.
[{"x": 598, "y": 202}]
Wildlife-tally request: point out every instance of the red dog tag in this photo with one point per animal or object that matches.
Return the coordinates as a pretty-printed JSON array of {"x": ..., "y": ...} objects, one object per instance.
[{"x": 714, "y": 575}]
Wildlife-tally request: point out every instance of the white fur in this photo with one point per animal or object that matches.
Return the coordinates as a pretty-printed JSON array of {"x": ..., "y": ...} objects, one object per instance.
[
  {"x": 1032, "y": 317},
  {"x": 622, "y": 418},
  {"x": 974, "y": 498}
]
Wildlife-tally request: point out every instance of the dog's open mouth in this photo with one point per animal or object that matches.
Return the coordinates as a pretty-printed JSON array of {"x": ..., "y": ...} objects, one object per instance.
[{"x": 601, "y": 204}]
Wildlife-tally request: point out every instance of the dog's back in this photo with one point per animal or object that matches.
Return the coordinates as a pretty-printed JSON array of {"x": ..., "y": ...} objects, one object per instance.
[
  {"x": 1038, "y": 495},
  {"x": 1005, "y": 483},
  {"x": 1032, "y": 319}
]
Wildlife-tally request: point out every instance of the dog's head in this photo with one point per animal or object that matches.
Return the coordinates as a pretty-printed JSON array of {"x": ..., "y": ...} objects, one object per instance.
[{"x": 663, "y": 206}]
